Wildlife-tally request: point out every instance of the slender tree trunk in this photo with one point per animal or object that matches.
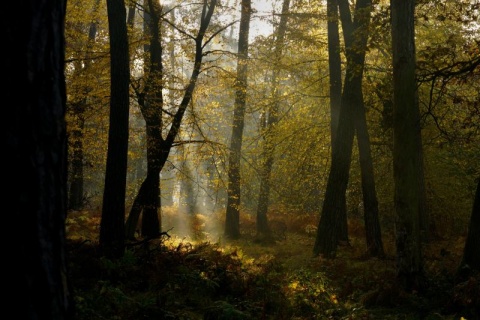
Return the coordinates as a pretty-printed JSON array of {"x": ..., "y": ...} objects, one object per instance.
[
  {"x": 152, "y": 113},
  {"x": 263, "y": 231},
  {"x": 406, "y": 128},
  {"x": 372, "y": 224},
  {"x": 334, "y": 67},
  {"x": 333, "y": 204},
  {"x": 232, "y": 221},
  {"x": 471, "y": 252},
  {"x": 75, "y": 195},
  {"x": 151, "y": 103},
  {"x": 333, "y": 217},
  {"x": 112, "y": 226},
  {"x": 148, "y": 196},
  {"x": 335, "y": 71}
]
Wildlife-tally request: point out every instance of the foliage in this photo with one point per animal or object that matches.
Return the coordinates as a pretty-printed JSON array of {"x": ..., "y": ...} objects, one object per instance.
[{"x": 174, "y": 278}]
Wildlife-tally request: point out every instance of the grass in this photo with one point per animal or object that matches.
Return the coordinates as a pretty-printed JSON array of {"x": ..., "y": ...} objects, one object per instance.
[{"x": 181, "y": 278}]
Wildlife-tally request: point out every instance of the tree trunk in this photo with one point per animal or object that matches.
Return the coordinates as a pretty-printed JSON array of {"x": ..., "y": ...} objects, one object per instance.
[
  {"x": 373, "y": 232},
  {"x": 112, "y": 225},
  {"x": 34, "y": 186},
  {"x": 263, "y": 231},
  {"x": 334, "y": 202},
  {"x": 372, "y": 224},
  {"x": 332, "y": 225},
  {"x": 406, "y": 128},
  {"x": 471, "y": 253},
  {"x": 151, "y": 104},
  {"x": 158, "y": 148},
  {"x": 335, "y": 72},
  {"x": 232, "y": 221},
  {"x": 75, "y": 195},
  {"x": 334, "y": 67}
]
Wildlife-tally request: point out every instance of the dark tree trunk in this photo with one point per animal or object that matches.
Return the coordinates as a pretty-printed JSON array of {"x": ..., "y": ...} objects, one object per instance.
[
  {"x": 332, "y": 225},
  {"x": 112, "y": 226},
  {"x": 471, "y": 252},
  {"x": 158, "y": 148},
  {"x": 334, "y": 67},
  {"x": 335, "y": 72},
  {"x": 34, "y": 186},
  {"x": 334, "y": 202},
  {"x": 75, "y": 195},
  {"x": 406, "y": 128},
  {"x": 151, "y": 104},
  {"x": 372, "y": 224},
  {"x": 263, "y": 231},
  {"x": 232, "y": 221},
  {"x": 152, "y": 113}
]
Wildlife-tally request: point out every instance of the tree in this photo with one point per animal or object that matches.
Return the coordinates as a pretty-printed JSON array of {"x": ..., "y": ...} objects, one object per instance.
[
  {"x": 263, "y": 231},
  {"x": 356, "y": 41},
  {"x": 232, "y": 220},
  {"x": 35, "y": 188},
  {"x": 370, "y": 202},
  {"x": 335, "y": 78},
  {"x": 112, "y": 226},
  {"x": 150, "y": 101},
  {"x": 332, "y": 224},
  {"x": 471, "y": 254},
  {"x": 334, "y": 67},
  {"x": 406, "y": 128},
  {"x": 148, "y": 194}
]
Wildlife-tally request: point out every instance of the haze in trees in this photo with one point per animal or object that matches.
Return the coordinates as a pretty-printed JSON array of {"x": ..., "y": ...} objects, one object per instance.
[{"x": 352, "y": 137}]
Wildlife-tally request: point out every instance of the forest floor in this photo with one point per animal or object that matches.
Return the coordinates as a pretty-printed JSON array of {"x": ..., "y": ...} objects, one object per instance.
[{"x": 177, "y": 278}]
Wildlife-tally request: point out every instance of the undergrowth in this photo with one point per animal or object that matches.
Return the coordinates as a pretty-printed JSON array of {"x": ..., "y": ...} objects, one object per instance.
[{"x": 176, "y": 278}]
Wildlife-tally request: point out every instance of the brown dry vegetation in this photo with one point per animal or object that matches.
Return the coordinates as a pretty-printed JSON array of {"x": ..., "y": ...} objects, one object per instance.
[{"x": 204, "y": 277}]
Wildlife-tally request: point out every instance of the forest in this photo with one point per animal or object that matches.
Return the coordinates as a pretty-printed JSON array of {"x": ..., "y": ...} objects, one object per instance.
[{"x": 239, "y": 159}]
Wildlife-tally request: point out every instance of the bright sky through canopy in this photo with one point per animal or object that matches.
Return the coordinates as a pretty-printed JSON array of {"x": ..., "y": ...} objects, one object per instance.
[{"x": 260, "y": 23}]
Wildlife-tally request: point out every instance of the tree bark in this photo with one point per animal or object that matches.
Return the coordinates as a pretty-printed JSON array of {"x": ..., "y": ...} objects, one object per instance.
[
  {"x": 232, "y": 221},
  {"x": 148, "y": 196},
  {"x": 334, "y": 67},
  {"x": 35, "y": 155},
  {"x": 152, "y": 113},
  {"x": 335, "y": 72},
  {"x": 372, "y": 224},
  {"x": 373, "y": 232},
  {"x": 263, "y": 230},
  {"x": 112, "y": 225},
  {"x": 332, "y": 225},
  {"x": 410, "y": 273},
  {"x": 151, "y": 104}
]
